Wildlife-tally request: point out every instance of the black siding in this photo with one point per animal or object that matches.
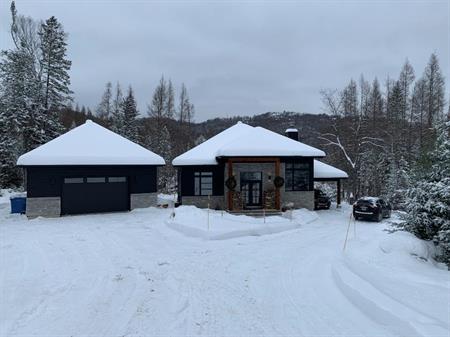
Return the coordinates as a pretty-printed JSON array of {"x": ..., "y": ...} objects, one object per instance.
[
  {"x": 186, "y": 178},
  {"x": 46, "y": 181}
]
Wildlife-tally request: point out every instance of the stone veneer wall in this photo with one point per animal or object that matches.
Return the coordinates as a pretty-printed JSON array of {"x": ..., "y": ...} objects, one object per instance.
[
  {"x": 44, "y": 206},
  {"x": 300, "y": 199},
  {"x": 143, "y": 200},
  {"x": 216, "y": 201}
]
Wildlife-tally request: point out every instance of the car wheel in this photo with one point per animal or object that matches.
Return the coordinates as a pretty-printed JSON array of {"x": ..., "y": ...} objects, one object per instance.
[{"x": 380, "y": 216}]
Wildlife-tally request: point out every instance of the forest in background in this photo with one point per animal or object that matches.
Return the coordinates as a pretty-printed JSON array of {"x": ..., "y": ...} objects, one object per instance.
[{"x": 391, "y": 137}]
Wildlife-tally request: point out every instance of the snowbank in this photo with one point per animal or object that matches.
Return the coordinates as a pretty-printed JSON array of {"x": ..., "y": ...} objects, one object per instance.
[
  {"x": 7, "y": 193},
  {"x": 220, "y": 225},
  {"x": 167, "y": 199}
]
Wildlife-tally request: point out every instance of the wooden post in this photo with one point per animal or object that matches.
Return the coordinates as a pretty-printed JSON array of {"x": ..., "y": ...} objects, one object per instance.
[
  {"x": 338, "y": 197},
  {"x": 277, "y": 189},
  {"x": 209, "y": 200}
]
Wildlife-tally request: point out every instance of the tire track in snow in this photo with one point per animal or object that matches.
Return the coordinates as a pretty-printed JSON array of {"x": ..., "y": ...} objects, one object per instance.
[
  {"x": 315, "y": 300},
  {"x": 384, "y": 309}
]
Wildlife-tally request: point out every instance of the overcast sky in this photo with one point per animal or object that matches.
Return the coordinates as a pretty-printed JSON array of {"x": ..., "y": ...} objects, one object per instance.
[{"x": 241, "y": 57}]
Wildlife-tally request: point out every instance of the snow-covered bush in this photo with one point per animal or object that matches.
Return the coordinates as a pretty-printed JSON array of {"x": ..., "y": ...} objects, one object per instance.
[
  {"x": 397, "y": 183},
  {"x": 428, "y": 199}
]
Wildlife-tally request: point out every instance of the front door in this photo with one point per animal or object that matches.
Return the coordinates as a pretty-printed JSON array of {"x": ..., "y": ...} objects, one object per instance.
[{"x": 251, "y": 189}]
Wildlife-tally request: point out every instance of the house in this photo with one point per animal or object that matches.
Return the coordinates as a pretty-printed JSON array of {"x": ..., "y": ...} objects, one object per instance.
[
  {"x": 247, "y": 167},
  {"x": 89, "y": 169}
]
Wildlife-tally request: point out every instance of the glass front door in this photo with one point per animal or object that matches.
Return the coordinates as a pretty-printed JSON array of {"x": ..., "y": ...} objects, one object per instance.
[{"x": 251, "y": 189}]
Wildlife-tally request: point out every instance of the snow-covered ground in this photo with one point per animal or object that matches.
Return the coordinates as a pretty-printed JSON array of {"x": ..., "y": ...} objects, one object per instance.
[
  {"x": 143, "y": 273},
  {"x": 6, "y": 194}
]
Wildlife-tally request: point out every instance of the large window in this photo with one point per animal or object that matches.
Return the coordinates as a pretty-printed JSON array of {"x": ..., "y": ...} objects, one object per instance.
[
  {"x": 203, "y": 183},
  {"x": 297, "y": 176}
]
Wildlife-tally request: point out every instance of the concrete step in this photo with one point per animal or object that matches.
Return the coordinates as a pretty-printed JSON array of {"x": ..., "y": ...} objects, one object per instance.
[{"x": 257, "y": 212}]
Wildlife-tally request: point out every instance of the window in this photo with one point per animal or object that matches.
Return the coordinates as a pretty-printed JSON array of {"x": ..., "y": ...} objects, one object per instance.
[
  {"x": 297, "y": 176},
  {"x": 203, "y": 183},
  {"x": 251, "y": 176},
  {"x": 96, "y": 180},
  {"x": 117, "y": 179},
  {"x": 73, "y": 180}
]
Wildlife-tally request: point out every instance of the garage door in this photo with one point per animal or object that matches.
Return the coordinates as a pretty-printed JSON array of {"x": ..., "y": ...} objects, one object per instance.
[{"x": 94, "y": 195}]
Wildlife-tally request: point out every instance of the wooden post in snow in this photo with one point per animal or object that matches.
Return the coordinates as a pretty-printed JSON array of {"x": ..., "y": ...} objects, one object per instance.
[
  {"x": 348, "y": 229},
  {"x": 209, "y": 200}
]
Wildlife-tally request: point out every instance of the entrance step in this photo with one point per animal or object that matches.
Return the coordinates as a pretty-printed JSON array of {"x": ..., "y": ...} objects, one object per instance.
[{"x": 257, "y": 212}]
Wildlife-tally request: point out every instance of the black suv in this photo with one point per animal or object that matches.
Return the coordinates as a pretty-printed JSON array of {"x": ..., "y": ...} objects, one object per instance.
[
  {"x": 371, "y": 208},
  {"x": 321, "y": 200}
]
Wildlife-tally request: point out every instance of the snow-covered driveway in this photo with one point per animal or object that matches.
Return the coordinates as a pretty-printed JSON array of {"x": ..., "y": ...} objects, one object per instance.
[{"x": 131, "y": 275}]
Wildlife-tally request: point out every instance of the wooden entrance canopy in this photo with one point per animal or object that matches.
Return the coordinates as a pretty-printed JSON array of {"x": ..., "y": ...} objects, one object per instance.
[{"x": 274, "y": 160}]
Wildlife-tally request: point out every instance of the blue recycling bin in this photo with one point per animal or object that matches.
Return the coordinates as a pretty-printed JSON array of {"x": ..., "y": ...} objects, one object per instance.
[{"x": 18, "y": 205}]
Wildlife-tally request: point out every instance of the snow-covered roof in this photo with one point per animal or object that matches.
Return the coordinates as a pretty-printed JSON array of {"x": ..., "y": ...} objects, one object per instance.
[
  {"x": 325, "y": 171},
  {"x": 245, "y": 140},
  {"x": 90, "y": 144}
]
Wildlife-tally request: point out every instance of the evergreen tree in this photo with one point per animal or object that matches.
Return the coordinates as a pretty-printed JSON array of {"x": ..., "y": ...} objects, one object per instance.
[
  {"x": 428, "y": 200},
  {"x": 397, "y": 182},
  {"x": 105, "y": 106},
  {"x": 55, "y": 65},
  {"x": 130, "y": 113},
  {"x": 23, "y": 78},
  {"x": 9, "y": 175}
]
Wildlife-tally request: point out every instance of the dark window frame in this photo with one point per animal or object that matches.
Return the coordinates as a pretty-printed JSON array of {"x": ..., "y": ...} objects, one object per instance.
[
  {"x": 202, "y": 188},
  {"x": 299, "y": 171}
]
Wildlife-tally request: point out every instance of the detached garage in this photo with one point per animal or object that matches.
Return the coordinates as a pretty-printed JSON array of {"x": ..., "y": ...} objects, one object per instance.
[{"x": 89, "y": 169}]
